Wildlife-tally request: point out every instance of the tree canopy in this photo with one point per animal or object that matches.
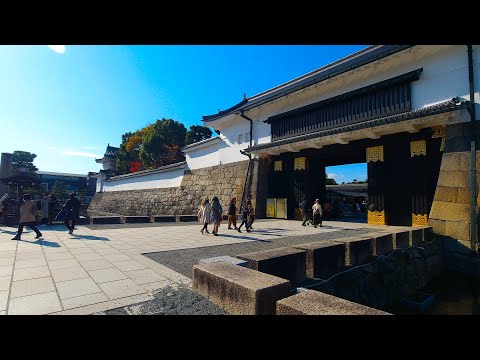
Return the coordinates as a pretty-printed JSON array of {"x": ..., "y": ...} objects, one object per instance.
[
  {"x": 162, "y": 143},
  {"x": 329, "y": 181},
  {"x": 197, "y": 133},
  {"x": 23, "y": 159}
]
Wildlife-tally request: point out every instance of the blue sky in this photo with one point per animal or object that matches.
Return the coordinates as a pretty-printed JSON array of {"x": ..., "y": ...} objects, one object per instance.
[{"x": 66, "y": 103}]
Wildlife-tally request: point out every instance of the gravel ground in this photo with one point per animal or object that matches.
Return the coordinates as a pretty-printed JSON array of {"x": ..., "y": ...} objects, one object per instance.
[
  {"x": 183, "y": 260},
  {"x": 170, "y": 301}
]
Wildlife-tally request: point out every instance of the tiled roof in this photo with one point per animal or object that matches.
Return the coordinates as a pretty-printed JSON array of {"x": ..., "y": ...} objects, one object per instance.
[
  {"x": 338, "y": 67},
  {"x": 446, "y": 106}
]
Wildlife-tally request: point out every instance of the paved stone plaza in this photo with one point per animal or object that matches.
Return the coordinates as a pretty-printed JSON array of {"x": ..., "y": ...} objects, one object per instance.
[{"x": 93, "y": 271}]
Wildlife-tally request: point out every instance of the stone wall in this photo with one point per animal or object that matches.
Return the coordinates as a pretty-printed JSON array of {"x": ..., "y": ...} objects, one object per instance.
[
  {"x": 224, "y": 181},
  {"x": 384, "y": 282},
  {"x": 450, "y": 212}
]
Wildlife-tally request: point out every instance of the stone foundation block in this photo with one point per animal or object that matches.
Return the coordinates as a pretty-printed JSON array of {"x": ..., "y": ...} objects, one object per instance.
[
  {"x": 401, "y": 239},
  {"x": 382, "y": 243},
  {"x": 324, "y": 258},
  {"x": 228, "y": 259},
  {"x": 287, "y": 263},
  {"x": 239, "y": 290},
  {"x": 310, "y": 302},
  {"x": 416, "y": 236},
  {"x": 358, "y": 250},
  {"x": 438, "y": 226}
]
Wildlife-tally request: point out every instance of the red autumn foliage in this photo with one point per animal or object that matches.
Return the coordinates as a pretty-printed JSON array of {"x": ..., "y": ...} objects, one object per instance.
[{"x": 135, "y": 166}]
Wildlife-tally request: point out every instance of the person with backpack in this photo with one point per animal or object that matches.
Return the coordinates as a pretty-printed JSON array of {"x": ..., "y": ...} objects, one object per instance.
[
  {"x": 28, "y": 211},
  {"x": 72, "y": 208}
]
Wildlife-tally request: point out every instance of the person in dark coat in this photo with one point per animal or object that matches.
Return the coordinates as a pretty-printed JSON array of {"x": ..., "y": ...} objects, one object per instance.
[
  {"x": 232, "y": 214},
  {"x": 216, "y": 214},
  {"x": 245, "y": 217},
  {"x": 72, "y": 209},
  {"x": 303, "y": 209}
]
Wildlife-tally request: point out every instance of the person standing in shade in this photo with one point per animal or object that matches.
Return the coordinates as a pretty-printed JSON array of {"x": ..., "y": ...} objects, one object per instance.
[
  {"x": 303, "y": 209},
  {"x": 232, "y": 214},
  {"x": 28, "y": 210},
  {"x": 204, "y": 215},
  {"x": 216, "y": 214},
  {"x": 317, "y": 213},
  {"x": 72, "y": 208}
]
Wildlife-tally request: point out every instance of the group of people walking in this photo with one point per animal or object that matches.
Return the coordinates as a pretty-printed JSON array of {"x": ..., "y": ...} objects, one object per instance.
[
  {"x": 45, "y": 209},
  {"x": 212, "y": 213},
  {"x": 316, "y": 211}
]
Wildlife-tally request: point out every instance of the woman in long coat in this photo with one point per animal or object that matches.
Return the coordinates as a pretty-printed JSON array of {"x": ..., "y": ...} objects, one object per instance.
[
  {"x": 204, "y": 215},
  {"x": 216, "y": 215}
]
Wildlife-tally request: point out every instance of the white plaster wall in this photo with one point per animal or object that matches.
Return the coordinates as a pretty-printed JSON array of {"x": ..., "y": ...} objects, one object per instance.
[
  {"x": 165, "y": 179},
  {"x": 100, "y": 183},
  {"x": 203, "y": 157},
  {"x": 230, "y": 151}
]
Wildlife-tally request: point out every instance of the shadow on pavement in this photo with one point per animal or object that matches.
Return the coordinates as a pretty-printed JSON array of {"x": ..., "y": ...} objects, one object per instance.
[
  {"x": 42, "y": 243},
  {"x": 243, "y": 237},
  {"x": 90, "y": 237}
]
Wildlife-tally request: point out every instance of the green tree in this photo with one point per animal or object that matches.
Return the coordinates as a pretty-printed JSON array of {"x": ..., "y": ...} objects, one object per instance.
[
  {"x": 197, "y": 133},
  {"x": 59, "y": 190},
  {"x": 162, "y": 143},
  {"x": 329, "y": 181},
  {"x": 23, "y": 160},
  {"x": 123, "y": 156}
]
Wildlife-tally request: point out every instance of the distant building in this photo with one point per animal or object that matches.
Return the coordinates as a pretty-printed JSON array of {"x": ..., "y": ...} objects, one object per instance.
[
  {"x": 73, "y": 182},
  {"x": 108, "y": 162}
]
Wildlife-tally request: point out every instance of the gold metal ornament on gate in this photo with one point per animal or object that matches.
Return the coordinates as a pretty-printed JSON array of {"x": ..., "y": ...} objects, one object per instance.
[
  {"x": 374, "y": 153},
  {"x": 300, "y": 163},
  {"x": 418, "y": 148},
  {"x": 376, "y": 217},
  {"x": 419, "y": 219}
]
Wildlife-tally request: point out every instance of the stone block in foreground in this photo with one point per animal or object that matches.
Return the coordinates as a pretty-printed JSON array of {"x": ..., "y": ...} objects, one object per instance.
[
  {"x": 285, "y": 262},
  {"x": 358, "y": 249},
  {"x": 239, "y": 290},
  {"x": 228, "y": 259},
  {"x": 401, "y": 239},
  {"x": 381, "y": 242},
  {"x": 311, "y": 302},
  {"x": 324, "y": 258}
]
